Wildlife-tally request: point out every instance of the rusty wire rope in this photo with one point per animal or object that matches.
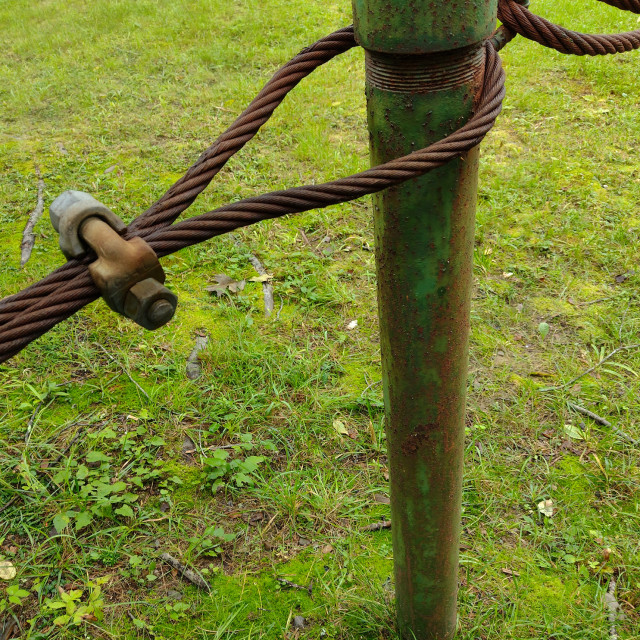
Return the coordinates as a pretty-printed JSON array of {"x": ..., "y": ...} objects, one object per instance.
[
  {"x": 182, "y": 194},
  {"x": 28, "y": 314},
  {"x": 625, "y": 5},
  {"x": 519, "y": 19},
  {"x": 40, "y": 313},
  {"x": 298, "y": 199}
]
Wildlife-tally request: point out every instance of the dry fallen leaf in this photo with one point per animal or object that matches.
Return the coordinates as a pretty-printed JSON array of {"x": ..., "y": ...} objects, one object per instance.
[
  {"x": 89, "y": 617},
  {"x": 352, "y": 325},
  {"x": 546, "y": 508},
  {"x": 225, "y": 283},
  {"x": 255, "y": 518},
  {"x": 263, "y": 278},
  {"x": 188, "y": 448},
  {"x": 7, "y": 570},
  {"x": 623, "y": 277},
  {"x": 338, "y": 425},
  {"x": 509, "y": 572}
]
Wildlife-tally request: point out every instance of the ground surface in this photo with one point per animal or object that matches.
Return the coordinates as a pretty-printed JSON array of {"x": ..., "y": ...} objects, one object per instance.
[{"x": 117, "y": 98}]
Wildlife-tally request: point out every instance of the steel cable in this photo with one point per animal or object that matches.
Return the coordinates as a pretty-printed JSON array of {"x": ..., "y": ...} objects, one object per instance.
[
  {"x": 519, "y": 19},
  {"x": 182, "y": 194},
  {"x": 72, "y": 295},
  {"x": 625, "y": 5}
]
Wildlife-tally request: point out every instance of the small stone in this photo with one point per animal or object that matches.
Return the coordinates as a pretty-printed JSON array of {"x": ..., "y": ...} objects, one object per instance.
[
  {"x": 299, "y": 622},
  {"x": 174, "y": 595}
]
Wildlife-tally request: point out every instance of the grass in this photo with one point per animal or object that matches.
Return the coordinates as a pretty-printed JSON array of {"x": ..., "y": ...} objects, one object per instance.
[{"x": 118, "y": 98}]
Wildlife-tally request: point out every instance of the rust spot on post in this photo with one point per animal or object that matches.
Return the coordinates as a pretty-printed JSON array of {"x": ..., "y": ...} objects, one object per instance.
[{"x": 418, "y": 439}]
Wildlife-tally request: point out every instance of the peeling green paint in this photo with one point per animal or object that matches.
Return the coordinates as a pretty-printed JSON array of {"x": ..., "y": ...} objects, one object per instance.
[{"x": 409, "y": 26}]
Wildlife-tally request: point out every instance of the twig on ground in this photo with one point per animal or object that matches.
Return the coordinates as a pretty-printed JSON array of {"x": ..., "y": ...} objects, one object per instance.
[
  {"x": 377, "y": 526},
  {"x": 6, "y": 505},
  {"x": 73, "y": 440},
  {"x": 308, "y": 243},
  {"x": 590, "y": 302},
  {"x": 280, "y": 309},
  {"x": 369, "y": 386},
  {"x": 267, "y": 287},
  {"x": 8, "y": 629},
  {"x": 124, "y": 370},
  {"x": 627, "y": 347},
  {"x": 613, "y": 607},
  {"x": 194, "y": 368},
  {"x": 28, "y": 237},
  {"x": 188, "y": 574},
  {"x": 585, "y": 412},
  {"x": 293, "y": 585},
  {"x": 32, "y": 419},
  {"x": 600, "y": 420}
]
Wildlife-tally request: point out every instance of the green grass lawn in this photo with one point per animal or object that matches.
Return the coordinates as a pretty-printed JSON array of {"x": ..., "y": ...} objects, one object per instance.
[{"x": 266, "y": 468}]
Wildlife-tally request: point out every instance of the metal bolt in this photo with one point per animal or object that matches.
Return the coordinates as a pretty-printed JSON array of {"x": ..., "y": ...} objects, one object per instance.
[
  {"x": 150, "y": 304},
  {"x": 161, "y": 312}
]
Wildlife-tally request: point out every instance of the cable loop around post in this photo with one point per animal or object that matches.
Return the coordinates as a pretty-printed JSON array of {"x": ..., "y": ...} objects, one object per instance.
[
  {"x": 625, "y": 5},
  {"x": 24, "y": 318}
]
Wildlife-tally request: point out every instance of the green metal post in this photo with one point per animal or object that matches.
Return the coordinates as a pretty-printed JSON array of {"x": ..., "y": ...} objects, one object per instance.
[{"x": 424, "y": 63}]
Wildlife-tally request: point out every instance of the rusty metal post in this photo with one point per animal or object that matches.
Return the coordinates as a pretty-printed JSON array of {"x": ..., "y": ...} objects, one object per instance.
[{"x": 424, "y": 63}]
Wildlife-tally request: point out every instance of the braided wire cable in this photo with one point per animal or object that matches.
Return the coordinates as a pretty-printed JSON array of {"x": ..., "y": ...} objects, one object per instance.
[
  {"x": 519, "y": 19},
  {"x": 182, "y": 194},
  {"x": 72, "y": 296},
  {"x": 625, "y": 5}
]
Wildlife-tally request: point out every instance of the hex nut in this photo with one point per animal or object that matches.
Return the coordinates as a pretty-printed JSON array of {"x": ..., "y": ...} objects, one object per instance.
[
  {"x": 150, "y": 304},
  {"x": 69, "y": 210}
]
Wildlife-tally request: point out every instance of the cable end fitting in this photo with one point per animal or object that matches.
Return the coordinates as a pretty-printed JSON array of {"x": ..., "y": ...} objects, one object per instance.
[{"x": 127, "y": 272}]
